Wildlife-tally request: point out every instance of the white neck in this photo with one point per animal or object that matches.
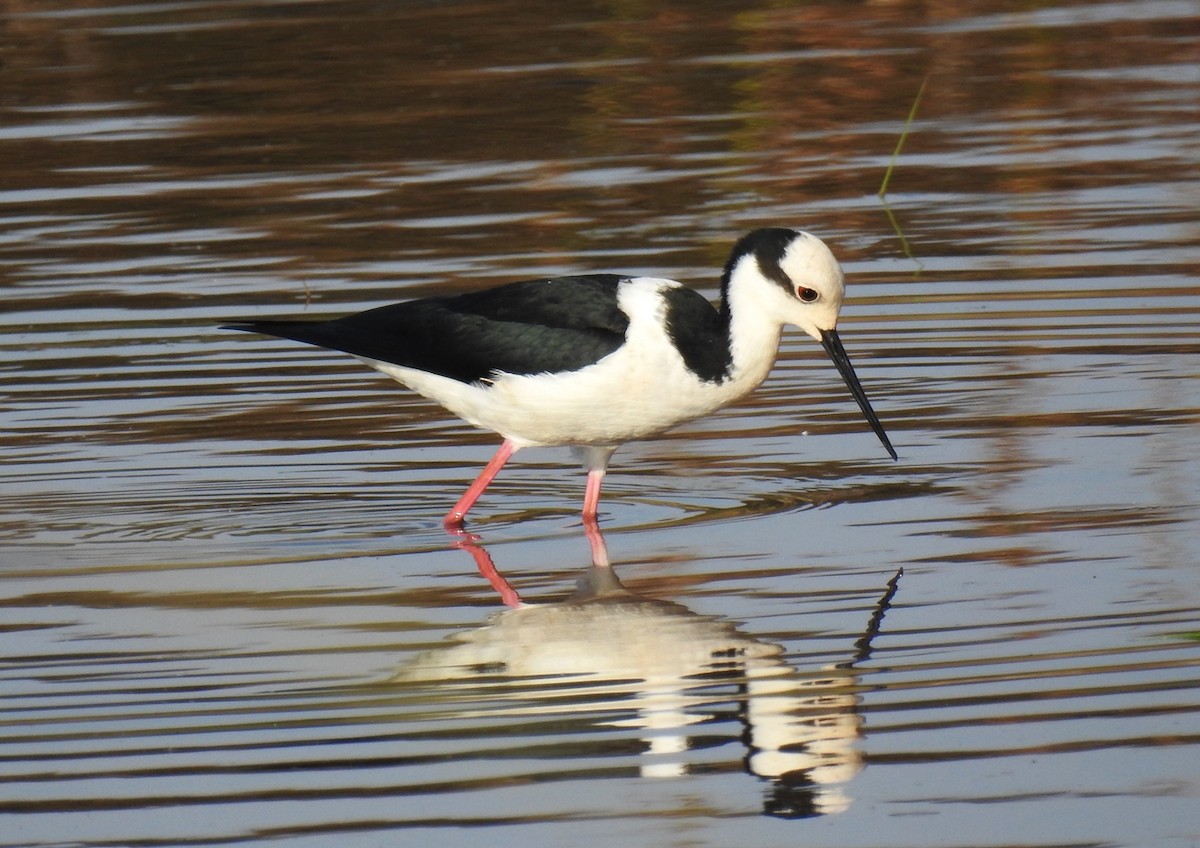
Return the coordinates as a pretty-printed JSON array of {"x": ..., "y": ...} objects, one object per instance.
[{"x": 755, "y": 326}]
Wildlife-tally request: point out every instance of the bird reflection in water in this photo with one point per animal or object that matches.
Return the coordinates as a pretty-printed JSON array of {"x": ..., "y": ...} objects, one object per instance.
[{"x": 620, "y": 659}]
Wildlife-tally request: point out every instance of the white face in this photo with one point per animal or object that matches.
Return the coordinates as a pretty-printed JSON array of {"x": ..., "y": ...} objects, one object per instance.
[{"x": 818, "y": 285}]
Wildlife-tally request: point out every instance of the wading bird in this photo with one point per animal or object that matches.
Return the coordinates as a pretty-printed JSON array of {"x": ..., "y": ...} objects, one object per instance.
[{"x": 596, "y": 360}]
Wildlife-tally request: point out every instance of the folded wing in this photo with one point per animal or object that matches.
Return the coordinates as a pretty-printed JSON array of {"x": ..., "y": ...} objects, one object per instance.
[{"x": 532, "y": 327}]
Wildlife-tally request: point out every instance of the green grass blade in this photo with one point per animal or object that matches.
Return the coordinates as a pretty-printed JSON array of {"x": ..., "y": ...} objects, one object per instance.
[{"x": 912, "y": 114}]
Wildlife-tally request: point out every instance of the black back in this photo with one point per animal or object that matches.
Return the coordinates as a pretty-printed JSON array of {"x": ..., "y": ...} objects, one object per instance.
[{"x": 531, "y": 327}]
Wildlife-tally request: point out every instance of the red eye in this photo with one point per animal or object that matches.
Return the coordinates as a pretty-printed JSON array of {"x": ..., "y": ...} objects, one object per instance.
[{"x": 807, "y": 295}]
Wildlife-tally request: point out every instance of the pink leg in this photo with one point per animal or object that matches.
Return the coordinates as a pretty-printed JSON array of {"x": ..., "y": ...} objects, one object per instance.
[
  {"x": 454, "y": 518},
  {"x": 591, "y": 498}
]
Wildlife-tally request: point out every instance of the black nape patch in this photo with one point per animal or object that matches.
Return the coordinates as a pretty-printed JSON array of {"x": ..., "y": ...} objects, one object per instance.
[
  {"x": 768, "y": 247},
  {"x": 699, "y": 333}
]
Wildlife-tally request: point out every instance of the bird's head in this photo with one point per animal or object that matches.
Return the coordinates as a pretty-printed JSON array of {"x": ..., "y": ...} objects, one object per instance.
[
  {"x": 794, "y": 278},
  {"x": 792, "y": 275}
]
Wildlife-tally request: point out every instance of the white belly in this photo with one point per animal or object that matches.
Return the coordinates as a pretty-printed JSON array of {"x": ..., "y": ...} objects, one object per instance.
[{"x": 608, "y": 403}]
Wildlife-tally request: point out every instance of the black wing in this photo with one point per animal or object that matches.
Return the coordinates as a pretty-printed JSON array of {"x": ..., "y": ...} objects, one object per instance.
[{"x": 532, "y": 327}]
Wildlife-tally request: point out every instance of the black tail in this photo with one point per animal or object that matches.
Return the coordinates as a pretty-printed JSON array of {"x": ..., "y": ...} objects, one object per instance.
[
  {"x": 333, "y": 335},
  {"x": 414, "y": 348}
]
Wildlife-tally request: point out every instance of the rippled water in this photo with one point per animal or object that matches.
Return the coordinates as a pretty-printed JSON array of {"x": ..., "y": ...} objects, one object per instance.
[{"x": 230, "y": 613}]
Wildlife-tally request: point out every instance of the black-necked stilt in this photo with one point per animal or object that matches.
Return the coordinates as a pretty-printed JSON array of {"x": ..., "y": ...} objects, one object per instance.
[{"x": 597, "y": 360}]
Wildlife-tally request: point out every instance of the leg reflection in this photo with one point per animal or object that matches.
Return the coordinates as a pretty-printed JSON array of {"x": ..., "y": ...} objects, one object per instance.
[
  {"x": 469, "y": 542},
  {"x": 473, "y": 545}
]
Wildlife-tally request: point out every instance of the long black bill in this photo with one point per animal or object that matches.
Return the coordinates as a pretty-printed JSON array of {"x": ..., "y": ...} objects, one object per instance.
[{"x": 833, "y": 347}]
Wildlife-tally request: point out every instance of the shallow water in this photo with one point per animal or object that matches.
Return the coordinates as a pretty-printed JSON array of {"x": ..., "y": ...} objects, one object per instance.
[{"x": 231, "y": 614}]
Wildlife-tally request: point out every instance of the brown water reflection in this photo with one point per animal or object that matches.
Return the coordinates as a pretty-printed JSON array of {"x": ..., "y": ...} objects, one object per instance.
[{"x": 228, "y": 609}]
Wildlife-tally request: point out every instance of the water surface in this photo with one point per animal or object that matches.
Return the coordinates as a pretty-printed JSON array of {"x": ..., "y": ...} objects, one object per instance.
[{"x": 231, "y": 614}]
